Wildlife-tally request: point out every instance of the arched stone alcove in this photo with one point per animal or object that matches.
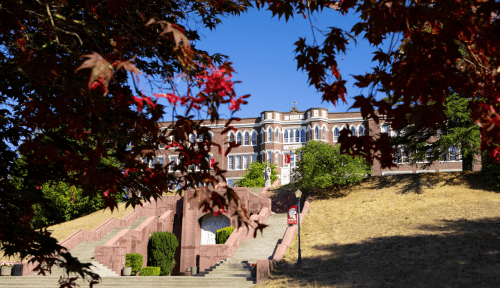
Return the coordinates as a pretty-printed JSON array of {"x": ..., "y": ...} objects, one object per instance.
[{"x": 210, "y": 224}]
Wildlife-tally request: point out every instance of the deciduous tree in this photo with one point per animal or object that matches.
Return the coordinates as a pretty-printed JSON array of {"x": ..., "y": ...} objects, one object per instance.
[
  {"x": 70, "y": 73},
  {"x": 431, "y": 49}
]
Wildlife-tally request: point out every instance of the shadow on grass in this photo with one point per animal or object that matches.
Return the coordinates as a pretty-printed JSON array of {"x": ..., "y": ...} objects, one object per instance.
[
  {"x": 465, "y": 255},
  {"x": 416, "y": 183}
]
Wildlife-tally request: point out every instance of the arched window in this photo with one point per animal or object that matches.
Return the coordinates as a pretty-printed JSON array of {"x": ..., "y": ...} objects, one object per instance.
[
  {"x": 247, "y": 138},
  {"x": 192, "y": 138},
  {"x": 277, "y": 158},
  {"x": 353, "y": 130},
  {"x": 302, "y": 136},
  {"x": 286, "y": 136},
  {"x": 277, "y": 136},
  {"x": 316, "y": 133},
  {"x": 324, "y": 133},
  {"x": 231, "y": 137},
  {"x": 254, "y": 138},
  {"x": 238, "y": 138},
  {"x": 269, "y": 134},
  {"x": 336, "y": 133},
  {"x": 297, "y": 136},
  {"x": 361, "y": 130}
]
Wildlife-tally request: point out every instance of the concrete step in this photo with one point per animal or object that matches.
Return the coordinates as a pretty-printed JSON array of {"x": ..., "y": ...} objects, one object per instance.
[
  {"x": 129, "y": 282},
  {"x": 84, "y": 252}
]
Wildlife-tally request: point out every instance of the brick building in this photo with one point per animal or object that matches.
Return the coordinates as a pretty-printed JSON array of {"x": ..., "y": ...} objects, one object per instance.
[{"x": 275, "y": 134}]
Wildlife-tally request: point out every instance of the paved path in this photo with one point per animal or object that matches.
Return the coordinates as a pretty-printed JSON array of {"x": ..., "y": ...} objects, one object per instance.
[{"x": 256, "y": 190}]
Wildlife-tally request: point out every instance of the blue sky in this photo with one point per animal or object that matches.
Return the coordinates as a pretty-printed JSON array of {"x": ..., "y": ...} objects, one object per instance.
[{"x": 262, "y": 51}]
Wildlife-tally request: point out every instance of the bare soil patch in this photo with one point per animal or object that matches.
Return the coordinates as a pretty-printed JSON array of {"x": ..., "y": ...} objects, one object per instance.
[{"x": 424, "y": 230}]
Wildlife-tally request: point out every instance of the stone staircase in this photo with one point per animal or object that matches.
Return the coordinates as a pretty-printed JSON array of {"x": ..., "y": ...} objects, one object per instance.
[
  {"x": 251, "y": 250},
  {"x": 84, "y": 252}
]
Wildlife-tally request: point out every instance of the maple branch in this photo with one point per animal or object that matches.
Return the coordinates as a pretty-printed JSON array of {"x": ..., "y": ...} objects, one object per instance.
[
  {"x": 73, "y": 33},
  {"x": 52, "y": 21}
]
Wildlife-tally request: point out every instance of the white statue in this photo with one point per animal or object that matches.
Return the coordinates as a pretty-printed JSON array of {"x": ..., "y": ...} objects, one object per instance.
[{"x": 267, "y": 176}]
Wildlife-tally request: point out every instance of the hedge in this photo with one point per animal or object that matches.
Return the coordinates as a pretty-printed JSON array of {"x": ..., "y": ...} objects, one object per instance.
[
  {"x": 150, "y": 271},
  {"x": 223, "y": 234},
  {"x": 135, "y": 261},
  {"x": 161, "y": 251}
]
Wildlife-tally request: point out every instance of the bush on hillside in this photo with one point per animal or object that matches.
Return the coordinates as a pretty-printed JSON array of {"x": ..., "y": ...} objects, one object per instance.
[
  {"x": 150, "y": 271},
  {"x": 490, "y": 170},
  {"x": 135, "y": 261},
  {"x": 161, "y": 251},
  {"x": 254, "y": 175},
  {"x": 223, "y": 234},
  {"x": 322, "y": 165}
]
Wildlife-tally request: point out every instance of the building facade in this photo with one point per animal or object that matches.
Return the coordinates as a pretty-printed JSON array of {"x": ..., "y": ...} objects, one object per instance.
[{"x": 274, "y": 134}]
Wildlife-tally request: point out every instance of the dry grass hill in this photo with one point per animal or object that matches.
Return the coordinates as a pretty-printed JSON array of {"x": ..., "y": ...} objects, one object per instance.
[{"x": 423, "y": 230}]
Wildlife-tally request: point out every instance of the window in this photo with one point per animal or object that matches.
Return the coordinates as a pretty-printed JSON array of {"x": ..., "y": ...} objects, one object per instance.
[
  {"x": 238, "y": 162},
  {"x": 428, "y": 155},
  {"x": 200, "y": 138},
  {"x": 269, "y": 134},
  {"x": 316, "y": 133},
  {"x": 245, "y": 162},
  {"x": 308, "y": 114},
  {"x": 210, "y": 136},
  {"x": 238, "y": 138},
  {"x": 269, "y": 115},
  {"x": 361, "y": 130},
  {"x": 453, "y": 152},
  {"x": 353, "y": 130},
  {"x": 297, "y": 136},
  {"x": 254, "y": 138},
  {"x": 269, "y": 158},
  {"x": 173, "y": 161},
  {"x": 324, "y": 114},
  {"x": 254, "y": 157},
  {"x": 277, "y": 158},
  {"x": 230, "y": 182},
  {"x": 247, "y": 138},
  {"x": 292, "y": 160},
  {"x": 277, "y": 136},
  {"x": 152, "y": 163},
  {"x": 277, "y": 116},
  {"x": 285, "y": 155},
  {"x": 291, "y": 136},
  {"x": 402, "y": 155},
  {"x": 286, "y": 137},
  {"x": 145, "y": 161},
  {"x": 160, "y": 161},
  {"x": 315, "y": 113},
  {"x": 231, "y": 137},
  {"x": 192, "y": 138},
  {"x": 324, "y": 133},
  {"x": 302, "y": 136},
  {"x": 231, "y": 163},
  {"x": 336, "y": 134}
]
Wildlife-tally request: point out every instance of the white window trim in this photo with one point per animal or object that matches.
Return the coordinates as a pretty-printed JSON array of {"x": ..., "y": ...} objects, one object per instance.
[
  {"x": 387, "y": 173},
  {"x": 450, "y": 170}
]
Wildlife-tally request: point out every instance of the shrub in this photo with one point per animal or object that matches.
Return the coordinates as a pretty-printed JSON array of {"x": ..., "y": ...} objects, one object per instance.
[
  {"x": 490, "y": 171},
  {"x": 322, "y": 165},
  {"x": 161, "y": 251},
  {"x": 223, "y": 234},
  {"x": 254, "y": 176},
  {"x": 135, "y": 261},
  {"x": 150, "y": 271}
]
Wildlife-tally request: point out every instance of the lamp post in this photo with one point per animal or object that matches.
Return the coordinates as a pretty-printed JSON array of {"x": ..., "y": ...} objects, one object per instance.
[{"x": 298, "y": 194}]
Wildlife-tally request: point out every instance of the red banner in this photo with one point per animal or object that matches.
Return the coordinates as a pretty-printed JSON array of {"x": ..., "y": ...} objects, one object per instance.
[
  {"x": 292, "y": 215},
  {"x": 212, "y": 161},
  {"x": 287, "y": 158}
]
